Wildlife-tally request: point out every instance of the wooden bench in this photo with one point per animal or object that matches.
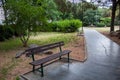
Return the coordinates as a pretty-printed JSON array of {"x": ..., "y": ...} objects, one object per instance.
[{"x": 44, "y": 61}]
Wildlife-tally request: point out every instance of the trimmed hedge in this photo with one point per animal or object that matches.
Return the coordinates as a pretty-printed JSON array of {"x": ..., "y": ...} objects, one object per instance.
[
  {"x": 66, "y": 25},
  {"x": 106, "y": 21},
  {"x": 100, "y": 24}
]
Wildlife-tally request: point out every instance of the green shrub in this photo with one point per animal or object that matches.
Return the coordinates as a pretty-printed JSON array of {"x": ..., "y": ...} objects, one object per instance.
[
  {"x": 108, "y": 24},
  {"x": 100, "y": 24},
  {"x": 66, "y": 25},
  {"x": 75, "y": 24},
  {"x": 17, "y": 78},
  {"x": 61, "y": 26},
  {"x": 5, "y": 32},
  {"x": 86, "y": 24},
  {"x": 2, "y": 38},
  {"x": 46, "y": 28},
  {"x": 106, "y": 21}
]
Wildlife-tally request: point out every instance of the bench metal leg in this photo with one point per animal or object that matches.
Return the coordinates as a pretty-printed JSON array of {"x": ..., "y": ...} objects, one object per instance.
[
  {"x": 68, "y": 57},
  {"x": 42, "y": 73},
  {"x": 33, "y": 68},
  {"x": 60, "y": 58}
]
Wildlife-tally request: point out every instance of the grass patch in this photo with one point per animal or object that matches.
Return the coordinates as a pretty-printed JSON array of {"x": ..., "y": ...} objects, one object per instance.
[
  {"x": 45, "y": 38},
  {"x": 7, "y": 67},
  {"x": 101, "y": 29},
  {"x": 40, "y": 39},
  {"x": 17, "y": 78},
  {"x": 11, "y": 44}
]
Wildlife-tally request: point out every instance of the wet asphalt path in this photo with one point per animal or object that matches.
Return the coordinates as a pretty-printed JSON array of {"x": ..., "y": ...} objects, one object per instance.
[{"x": 103, "y": 61}]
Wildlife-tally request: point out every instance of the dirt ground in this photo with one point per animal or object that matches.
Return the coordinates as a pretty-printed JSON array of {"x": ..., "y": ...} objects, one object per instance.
[{"x": 11, "y": 68}]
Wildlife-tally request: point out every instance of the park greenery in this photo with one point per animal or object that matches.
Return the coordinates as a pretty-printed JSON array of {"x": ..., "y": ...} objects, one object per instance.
[
  {"x": 47, "y": 21},
  {"x": 23, "y": 17},
  {"x": 40, "y": 38}
]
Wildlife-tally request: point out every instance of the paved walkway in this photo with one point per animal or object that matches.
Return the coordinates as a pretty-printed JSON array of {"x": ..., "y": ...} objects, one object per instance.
[
  {"x": 103, "y": 57},
  {"x": 103, "y": 62}
]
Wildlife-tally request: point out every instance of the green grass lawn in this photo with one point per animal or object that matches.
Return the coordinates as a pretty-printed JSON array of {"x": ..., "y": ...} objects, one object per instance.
[
  {"x": 103, "y": 29},
  {"x": 45, "y": 38},
  {"x": 38, "y": 38}
]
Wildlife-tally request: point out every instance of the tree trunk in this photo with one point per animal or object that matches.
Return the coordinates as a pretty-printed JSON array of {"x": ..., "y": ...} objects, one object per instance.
[
  {"x": 25, "y": 44},
  {"x": 113, "y": 16},
  {"x": 25, "y": 38},
  {"x": 5, "y": 11}
]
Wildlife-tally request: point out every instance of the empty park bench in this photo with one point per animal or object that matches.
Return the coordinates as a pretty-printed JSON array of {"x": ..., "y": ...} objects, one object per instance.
[{"x": 44, "y": 61}]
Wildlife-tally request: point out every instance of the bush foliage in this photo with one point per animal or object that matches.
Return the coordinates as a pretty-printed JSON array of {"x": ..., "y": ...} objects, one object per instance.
[
  {"x": 100, "y": 24},
  {"x": 66, "y": 25},
  {"x": 106, "y": 21},
  {"x": 5, "y": 32}
]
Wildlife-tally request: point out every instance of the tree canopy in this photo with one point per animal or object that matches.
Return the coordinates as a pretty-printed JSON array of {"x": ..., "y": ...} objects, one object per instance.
[
  {"x": 114, "y": 3},
  {"x": 25, "y": 17}
]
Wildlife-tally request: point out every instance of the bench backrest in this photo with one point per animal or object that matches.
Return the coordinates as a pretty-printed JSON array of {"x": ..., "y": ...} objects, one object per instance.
[{"x": 36, "y": 50}]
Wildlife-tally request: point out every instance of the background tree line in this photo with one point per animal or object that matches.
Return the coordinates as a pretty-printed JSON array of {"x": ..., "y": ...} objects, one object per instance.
[{"x": 25, "y": 16}]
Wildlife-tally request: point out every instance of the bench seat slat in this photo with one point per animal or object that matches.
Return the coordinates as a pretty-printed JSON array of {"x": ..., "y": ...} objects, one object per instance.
[{"x": 49, "y": 58}]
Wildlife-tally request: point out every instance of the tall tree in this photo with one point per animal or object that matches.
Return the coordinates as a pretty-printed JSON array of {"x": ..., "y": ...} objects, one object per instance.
[
  {"x": 51, "y": 9},
  {"x": 82, "y": 7},
  {"x": 114, "y": 6},
  {"x": 64, "y": 7},
  {"x": 25, "y": 17},
  {"x": 91, "y": 17}
]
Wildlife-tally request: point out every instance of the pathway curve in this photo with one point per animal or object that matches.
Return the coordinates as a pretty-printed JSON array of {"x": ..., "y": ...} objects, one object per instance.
[{"x": 103, "y": 61}]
